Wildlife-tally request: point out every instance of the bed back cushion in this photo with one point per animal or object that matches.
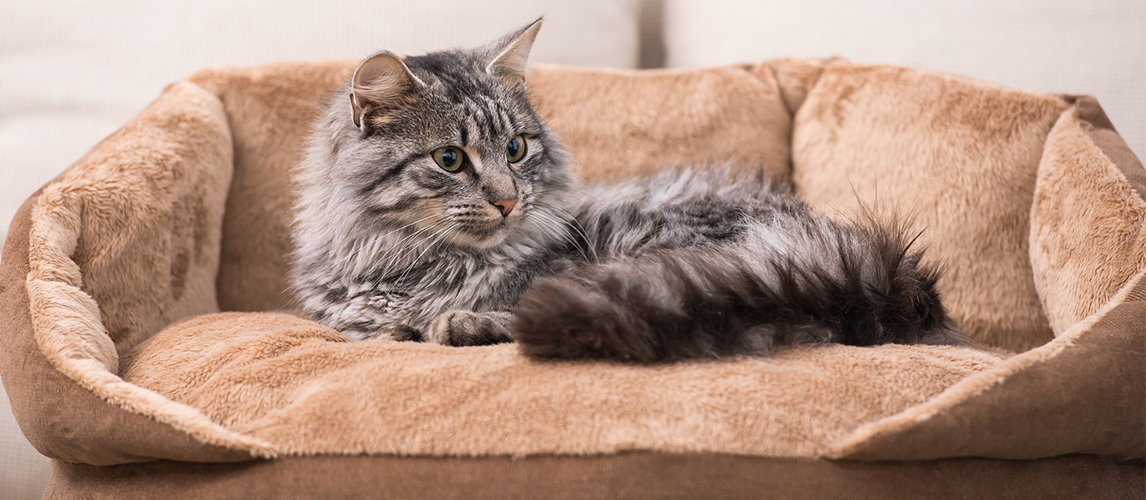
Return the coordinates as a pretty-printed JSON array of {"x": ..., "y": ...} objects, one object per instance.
[{"x": 955, "y": 157}]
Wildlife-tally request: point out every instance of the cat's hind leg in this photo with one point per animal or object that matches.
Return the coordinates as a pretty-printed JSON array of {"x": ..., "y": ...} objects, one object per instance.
[{"x": 467, "y": 328}]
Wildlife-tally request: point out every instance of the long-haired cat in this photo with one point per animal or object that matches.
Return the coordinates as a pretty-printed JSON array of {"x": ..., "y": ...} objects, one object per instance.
[{"x": 435, "y": 205}]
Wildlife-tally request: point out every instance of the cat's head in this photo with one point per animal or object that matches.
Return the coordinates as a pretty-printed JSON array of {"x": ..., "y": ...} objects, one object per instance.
[{"x": 445, "y": 142}]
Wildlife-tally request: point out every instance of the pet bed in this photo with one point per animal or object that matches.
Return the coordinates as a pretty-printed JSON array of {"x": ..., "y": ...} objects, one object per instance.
[{"x": 152, "y": 347}]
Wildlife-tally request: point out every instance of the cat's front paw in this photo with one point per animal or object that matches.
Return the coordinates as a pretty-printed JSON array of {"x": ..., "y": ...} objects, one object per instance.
[{"x": 463, "y": 328}]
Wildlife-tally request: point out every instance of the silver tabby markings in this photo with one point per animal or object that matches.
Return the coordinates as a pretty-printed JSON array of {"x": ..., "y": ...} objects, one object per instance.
[{"x": 435, "y": 205}]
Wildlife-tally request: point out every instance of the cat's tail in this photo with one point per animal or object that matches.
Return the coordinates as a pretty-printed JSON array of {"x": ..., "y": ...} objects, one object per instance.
[{"x": 820, "y": 282}]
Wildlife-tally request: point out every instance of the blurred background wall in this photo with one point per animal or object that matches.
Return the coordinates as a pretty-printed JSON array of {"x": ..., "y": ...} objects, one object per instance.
[{"x": 73, "y": 71}]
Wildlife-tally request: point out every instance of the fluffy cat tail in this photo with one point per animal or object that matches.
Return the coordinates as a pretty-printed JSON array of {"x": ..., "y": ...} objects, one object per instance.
[{"x": 820, "y": 283}]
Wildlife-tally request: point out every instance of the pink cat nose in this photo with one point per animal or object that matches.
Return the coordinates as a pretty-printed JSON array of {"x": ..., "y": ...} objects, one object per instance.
[{"x": 506, "y": 206}]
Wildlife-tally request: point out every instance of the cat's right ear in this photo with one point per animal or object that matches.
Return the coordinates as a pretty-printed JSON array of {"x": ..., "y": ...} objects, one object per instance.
[
  {"x": 382, "y": 84},
  {"x": 512, "y": 52}
]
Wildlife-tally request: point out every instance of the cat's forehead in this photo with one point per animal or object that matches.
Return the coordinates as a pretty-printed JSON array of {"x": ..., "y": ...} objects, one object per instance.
[
  {"x": 461, "y": 94},
  {"x": 455, "y": 72}
]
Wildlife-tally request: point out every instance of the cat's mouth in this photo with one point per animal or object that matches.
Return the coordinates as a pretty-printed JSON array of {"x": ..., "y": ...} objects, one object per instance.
[{"x": 492, "y": 230}]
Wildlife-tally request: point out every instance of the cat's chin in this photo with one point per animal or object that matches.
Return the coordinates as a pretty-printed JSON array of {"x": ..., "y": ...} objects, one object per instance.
[
  {"x": 486, "y": 236},
  {"x": 481, "y": 240}
]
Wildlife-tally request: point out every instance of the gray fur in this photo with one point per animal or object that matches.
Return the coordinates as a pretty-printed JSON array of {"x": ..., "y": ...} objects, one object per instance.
[
  {"x": 391, "y": 246},
  {"x": 386, "y": 241}
]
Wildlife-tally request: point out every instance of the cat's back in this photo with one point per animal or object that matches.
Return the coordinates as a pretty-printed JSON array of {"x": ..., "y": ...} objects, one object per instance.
[{"x": 680, "y": 207}]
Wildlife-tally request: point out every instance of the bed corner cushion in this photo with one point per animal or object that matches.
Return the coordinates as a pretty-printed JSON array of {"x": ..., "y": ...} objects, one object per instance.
[{"x": 61, "y": 342}]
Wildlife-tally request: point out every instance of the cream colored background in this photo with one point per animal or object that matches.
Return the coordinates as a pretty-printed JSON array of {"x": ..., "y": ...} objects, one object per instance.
[{"x": 73, "y": 71}]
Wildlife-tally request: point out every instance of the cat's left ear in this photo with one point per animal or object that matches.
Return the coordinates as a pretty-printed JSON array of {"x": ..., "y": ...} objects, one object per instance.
[{"x": 511, "y": 53}]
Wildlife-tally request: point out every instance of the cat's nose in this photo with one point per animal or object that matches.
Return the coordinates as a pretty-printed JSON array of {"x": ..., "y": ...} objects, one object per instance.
[{"x": 506, "y": 206}]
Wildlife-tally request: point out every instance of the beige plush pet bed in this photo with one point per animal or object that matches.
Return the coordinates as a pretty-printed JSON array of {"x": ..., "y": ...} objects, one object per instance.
[{"x": 121, "y": 366}]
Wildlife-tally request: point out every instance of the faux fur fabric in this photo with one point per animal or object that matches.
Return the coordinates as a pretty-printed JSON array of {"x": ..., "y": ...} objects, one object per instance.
[
  {"x": 288, "y": 381},
  {"x": 146, "y": 202},
  {"x": 1082, "y": 198},
  {"x": 182, "y": 214},
  {"x": 107, "y": 222},
  {"x": 617, "y": 124}
]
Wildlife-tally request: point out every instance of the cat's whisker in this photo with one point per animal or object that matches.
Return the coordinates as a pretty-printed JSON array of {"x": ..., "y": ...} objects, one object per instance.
[
  {"x": 581, "y": 248},
  {"x": 576, "y": 225},
  {"x": 447, "y": 274},
  {"x": 556, "y": 228},
  {"x": 381, "y": 240},
  {"x": 553, "y": 226},
  {"x": 373, "y": 243},
  {"x": 440, "y": 276},
  {"x": 401, "y": 247},
  {"x": 427, "y": 249},
  {"x": 393, "y": 253},
  {"x": 439, "y": 216},
  {"x": 573, "y": 241}
]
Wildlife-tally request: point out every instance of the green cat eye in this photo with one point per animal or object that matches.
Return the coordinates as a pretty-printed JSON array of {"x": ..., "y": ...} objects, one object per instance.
[
  {"x": 449, "y": 158},
  {"x": 515, "y": 150}
]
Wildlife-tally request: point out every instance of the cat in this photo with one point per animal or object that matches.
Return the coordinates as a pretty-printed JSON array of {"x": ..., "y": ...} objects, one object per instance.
[{"x": 435, "y": 205}]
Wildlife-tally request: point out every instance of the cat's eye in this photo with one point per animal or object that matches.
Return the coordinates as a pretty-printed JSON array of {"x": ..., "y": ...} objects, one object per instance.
[
  {"x": 515, "y": 150},
  {"x": 449, "y": 158}
]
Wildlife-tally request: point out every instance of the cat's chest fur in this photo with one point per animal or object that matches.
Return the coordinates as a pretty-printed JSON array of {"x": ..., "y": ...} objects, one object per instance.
[
  {"x": 491, "y": 280},
  {"x": 413, "y": 280}
]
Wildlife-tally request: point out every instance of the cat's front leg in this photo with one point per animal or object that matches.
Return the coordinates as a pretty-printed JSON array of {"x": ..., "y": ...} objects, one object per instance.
[{"x": 463, "y": 328}]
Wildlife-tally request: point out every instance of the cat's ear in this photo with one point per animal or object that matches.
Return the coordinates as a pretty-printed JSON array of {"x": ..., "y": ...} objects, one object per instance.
[
  {"x": 511, "y": 53},
  {"x": 383, "y": 84}
]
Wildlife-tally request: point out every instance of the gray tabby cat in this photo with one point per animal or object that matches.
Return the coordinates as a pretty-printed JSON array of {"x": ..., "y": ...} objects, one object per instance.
[{"x": 436, "y": 206}]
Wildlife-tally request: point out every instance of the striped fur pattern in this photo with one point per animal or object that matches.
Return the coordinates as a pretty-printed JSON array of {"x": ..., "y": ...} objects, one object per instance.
[{"x": 688, "y": 263}]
